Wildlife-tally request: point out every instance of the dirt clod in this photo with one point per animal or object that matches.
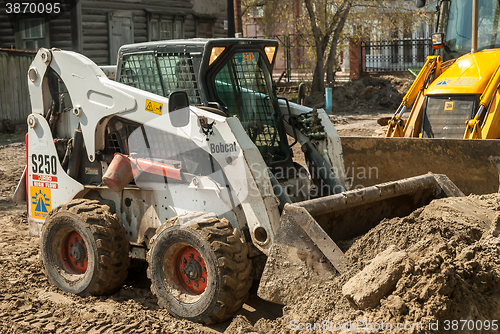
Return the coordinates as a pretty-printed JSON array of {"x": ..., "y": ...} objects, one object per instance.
[{"x": 378, "y": 279}]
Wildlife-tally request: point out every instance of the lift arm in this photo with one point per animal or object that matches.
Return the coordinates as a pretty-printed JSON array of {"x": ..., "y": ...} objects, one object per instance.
[{"x": 430, "y": 70}]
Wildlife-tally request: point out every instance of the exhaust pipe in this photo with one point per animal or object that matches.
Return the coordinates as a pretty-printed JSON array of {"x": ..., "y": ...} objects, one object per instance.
[{"x": 475, "y": 5}]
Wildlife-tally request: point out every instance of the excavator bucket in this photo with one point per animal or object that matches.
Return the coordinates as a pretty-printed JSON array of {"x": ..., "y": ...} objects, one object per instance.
[
  {"x": 306, "y": 251},
  {"x": 473, "y": 165}
]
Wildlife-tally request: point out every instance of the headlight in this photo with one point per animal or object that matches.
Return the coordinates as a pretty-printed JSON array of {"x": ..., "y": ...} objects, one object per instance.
[{"x": 437, "y": 40}]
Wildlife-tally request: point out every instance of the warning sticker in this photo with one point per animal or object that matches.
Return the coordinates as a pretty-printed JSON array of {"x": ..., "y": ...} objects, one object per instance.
[
  {"x": 40, "y": 202},
  {"x": 154, "y": 107},
  {"x": 448, "y": 106},
  {"x": 45, "y": 181},
  {"x": 91, "y": 171}
]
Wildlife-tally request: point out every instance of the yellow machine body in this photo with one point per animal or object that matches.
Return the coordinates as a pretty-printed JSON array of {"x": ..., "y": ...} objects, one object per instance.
[
  {"x": 449, "y": 103},
  {"x": 474, "y": 77}
]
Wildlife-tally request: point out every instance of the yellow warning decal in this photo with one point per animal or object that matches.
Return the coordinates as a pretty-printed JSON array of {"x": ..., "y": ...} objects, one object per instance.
[
  {"x": 154, "y": 107},
  {"x": 448, "y": 106},
  {"x": 40, "y": 202}
]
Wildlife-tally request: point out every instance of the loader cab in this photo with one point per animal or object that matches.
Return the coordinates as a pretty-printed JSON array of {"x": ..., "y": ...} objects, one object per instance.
[
  {"x": 239, "y": 78},
  {"x": 455, "y": 23},
  {"x": 231, "y": 75}
]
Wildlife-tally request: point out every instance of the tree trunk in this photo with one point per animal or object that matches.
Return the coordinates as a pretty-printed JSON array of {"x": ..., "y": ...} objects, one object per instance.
[
  {"x": 318, "y": 83},
  {"x": 331, "y": 65},
  {"x": 332, "y": 56}
]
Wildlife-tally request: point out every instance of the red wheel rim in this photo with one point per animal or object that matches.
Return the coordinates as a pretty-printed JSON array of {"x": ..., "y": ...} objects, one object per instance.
[
  {"x": 74, "y": 253},
  {"x": 190, "y": 270}
]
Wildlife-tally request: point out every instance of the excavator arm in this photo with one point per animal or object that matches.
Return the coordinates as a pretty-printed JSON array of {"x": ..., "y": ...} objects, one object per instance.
[
  {"x": 399, "y": 127},
  {"x": 473, "y": 128}
]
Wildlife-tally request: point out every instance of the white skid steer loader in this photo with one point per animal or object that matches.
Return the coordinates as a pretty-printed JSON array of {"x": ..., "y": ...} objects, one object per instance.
[{"x": 184, "y": 161}]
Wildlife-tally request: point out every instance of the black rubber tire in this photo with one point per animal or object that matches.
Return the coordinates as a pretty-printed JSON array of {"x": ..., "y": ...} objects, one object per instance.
[
  {"x": 227, "y": 263},
  {"x": 106, "y": 246}
]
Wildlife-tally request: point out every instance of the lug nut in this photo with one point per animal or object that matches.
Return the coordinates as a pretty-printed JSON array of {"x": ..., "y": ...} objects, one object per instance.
[
  {"x": 191, "y": 256},
  {"x": 188, "y": 281},
  {"x": 81, "y": 264},
  {"x": 70, "y": 244},
  {"x": 204, "y": 269},
  {"x": 202, "y": 280},
  {"x": 195, "y": 285},
  {"x": 184, "y": 260},
  {"x": 183, "y": 271},
  {"x": 76, "y": 240},
  {"x": 199, "y": 259}
]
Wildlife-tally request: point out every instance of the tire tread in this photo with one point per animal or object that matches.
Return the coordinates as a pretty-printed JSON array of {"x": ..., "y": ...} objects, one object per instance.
[
  {"x": 233, "y": 262},
  {"x": 112, "y": 248}
]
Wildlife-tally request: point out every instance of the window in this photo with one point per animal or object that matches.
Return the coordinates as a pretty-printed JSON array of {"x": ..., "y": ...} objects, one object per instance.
[
  {"x": 178, "y": 74},
  {"x": 140, "y": 71},
  {"x": 178, "y": 30},
  {"x": 176, "y": 69},
  {"x": 32, "y": 34},
  {"x": 162, "y": 28},
  {"x": 244, "y": 86}
]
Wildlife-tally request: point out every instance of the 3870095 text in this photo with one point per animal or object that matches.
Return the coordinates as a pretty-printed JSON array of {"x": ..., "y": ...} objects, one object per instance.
[{"x": 33, "y": 7}]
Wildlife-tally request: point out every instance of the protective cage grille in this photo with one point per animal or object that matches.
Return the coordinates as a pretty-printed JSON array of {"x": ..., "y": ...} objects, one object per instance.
[
  {"x": 242, "y": 86},
  {"x": 445, "y": 117},
  {"x": 177, "y": 74}
]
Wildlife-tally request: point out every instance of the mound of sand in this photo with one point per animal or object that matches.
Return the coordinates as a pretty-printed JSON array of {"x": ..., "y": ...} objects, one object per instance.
[
  {"x": 452, "y": 272},
  {"x": 376, "y": 94}
]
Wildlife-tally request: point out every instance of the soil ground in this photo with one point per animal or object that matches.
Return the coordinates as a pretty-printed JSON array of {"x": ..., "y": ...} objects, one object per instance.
[{"x": 453, "y": 272}]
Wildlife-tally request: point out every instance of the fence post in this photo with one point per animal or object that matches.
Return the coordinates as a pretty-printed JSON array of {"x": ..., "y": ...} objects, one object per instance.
[
  {"x": 288, "y": 67},
  {"x": 354, "y": 58}
]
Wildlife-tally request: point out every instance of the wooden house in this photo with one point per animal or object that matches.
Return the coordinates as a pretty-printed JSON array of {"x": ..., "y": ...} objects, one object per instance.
[{"x": 98, "y": 28}]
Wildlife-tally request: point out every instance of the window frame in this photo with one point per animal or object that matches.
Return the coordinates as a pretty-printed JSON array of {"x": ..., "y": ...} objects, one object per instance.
[
  {"x": 171, "y": 20},
  {"x": 43, "y": 41}
]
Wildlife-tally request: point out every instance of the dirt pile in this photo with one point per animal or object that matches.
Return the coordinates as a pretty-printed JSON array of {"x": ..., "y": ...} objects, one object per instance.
[
  {"x": 368, "y": 94},
  {"x": 371, "y": 94},
  {"x": 455, "y": 274}
]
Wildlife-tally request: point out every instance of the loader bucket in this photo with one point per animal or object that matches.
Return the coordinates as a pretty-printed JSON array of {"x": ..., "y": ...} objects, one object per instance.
[
  {"x": 305, "y": 250},
  {"x": 471, "y": 164}
]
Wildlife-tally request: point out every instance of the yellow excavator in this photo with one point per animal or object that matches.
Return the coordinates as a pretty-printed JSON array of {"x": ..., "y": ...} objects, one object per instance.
[
  {"x": 457, "y": 98},
  {"x": 454, "y": 98}
]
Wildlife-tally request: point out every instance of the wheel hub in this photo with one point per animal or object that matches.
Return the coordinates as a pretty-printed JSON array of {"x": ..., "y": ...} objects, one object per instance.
[
  {"x": 191, "y": 270},
  {"x": 74, "y": 253},
  {"x": 78, "y": 252}
]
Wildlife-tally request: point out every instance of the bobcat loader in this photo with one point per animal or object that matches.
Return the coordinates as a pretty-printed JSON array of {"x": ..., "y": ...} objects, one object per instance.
[
  {"x": 185, "y": 161},
  {"x": 449, "y": 103}
]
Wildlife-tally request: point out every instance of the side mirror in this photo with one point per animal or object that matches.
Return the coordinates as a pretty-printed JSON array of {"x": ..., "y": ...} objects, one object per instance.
[
  {"x": 178, "y": 109},
  {"x": 420, "y": 3}
]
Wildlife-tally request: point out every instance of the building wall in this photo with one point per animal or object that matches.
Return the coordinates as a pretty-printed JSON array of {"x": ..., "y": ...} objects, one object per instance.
[
  {"x": 88, "y": 28},
  {"x": 14, "y": 94},
  {"x": 94, "y": 25},
  {"x": 214, "y": 10}
]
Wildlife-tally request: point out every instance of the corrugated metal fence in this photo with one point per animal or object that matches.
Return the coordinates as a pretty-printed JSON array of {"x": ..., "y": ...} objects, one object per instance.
[{"x": 14, "y": 94}]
